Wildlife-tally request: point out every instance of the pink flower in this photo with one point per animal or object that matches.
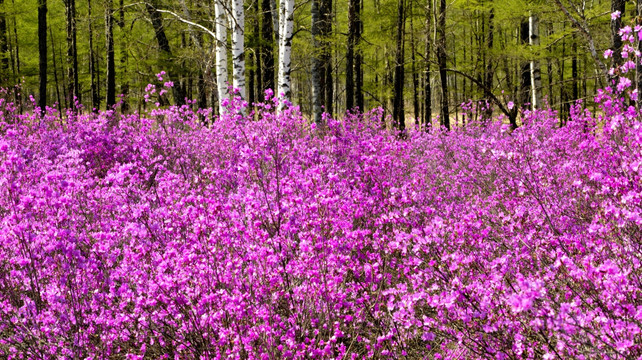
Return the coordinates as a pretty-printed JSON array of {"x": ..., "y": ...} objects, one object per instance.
[{"x": 615, "y": 15}]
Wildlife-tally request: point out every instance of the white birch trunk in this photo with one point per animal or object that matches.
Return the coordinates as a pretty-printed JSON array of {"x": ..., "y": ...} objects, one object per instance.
[
  {"x": 536, "y": 76},
  {"x": 238, "y": 47},
  {"x": 286, "y": 24},
  {"x": 221, "y": 53}
]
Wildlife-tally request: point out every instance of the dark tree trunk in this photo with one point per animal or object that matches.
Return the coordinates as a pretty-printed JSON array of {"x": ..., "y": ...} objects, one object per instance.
[
  {"x": 427, "y": 117},
  {"x": 267, "y": 47},
  {"x": 352, "y": 32},
  {"x": 574, "y": 71},
  {"x": 415, "y": 78},
  {"x": 563, "y": 95},
  {"x": 124, "y": 59},
  {"x": 325, "y": 9},
  {"x": 489, "y": 73},
  {"x": 358, "y": 58},
  {"x": 255, "y": 80},
  {"x": 616, "y": 24},
  {"x": 95, "y": 101},
  {"x": 4, "y": 45},
  {"x": 525, "y": 85},
  {"x": 72, "y": 57},
  {"x": 318, "y": 97},
  {"x": 202, "y": 94},
  {"x": 163, "y": 44},
  {"x": 398, "y": 115},
  {"x": 111, "y": 66},
  {"x": 441, "y": 60},
  {"x": 42, "y": 52}
]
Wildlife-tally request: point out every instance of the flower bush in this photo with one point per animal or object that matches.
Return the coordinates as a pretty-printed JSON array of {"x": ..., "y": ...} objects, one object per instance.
[{"x": 262, "y": 237}]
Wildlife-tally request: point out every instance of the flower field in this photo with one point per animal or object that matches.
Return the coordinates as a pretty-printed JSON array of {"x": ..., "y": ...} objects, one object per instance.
[{"x": 131, "y": 237}]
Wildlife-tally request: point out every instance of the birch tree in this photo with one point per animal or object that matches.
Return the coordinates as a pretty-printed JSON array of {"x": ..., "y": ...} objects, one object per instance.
[
  {"x": 221, "y": 53},
  {"x": 535, "y": 74},
  {"x": 286, "y": 25},
  {"x": 238, "y": 47}
]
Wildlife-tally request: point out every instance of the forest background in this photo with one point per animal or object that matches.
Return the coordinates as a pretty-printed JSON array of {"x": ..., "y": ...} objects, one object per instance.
[{"x": 416, "y": 59}]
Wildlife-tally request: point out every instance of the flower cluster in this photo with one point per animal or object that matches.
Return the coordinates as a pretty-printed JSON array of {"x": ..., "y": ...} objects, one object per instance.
[{"x": 262, "y": 237}]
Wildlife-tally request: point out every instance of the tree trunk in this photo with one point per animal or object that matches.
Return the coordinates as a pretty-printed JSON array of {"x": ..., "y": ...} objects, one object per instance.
[
  {"x": 267, "y": 47},
  {"x": 255, "y": 86},
  {"x": 95, "y": 101},
  {"x": 489, "y": 73},
  {"x": 4, "y": 45},
  {"x": 325, "y": 8},
  {"x": 317, "y": 95},
  {"x": 42, "y": 52},
  {"x": 221, "y": 54},
  {"x": 358, "y": 59},
  {"x": 72, "y": 57},
  {"x": 398, "y": 115},
  {"x": 427, "y": 118},
  {"x": 124, "y": 60},
  {"x": 352, "y": 32},
  {"x": 111, "y": 66},
  {"x": 616, "y": 24},
  {"x": 574, "y": 71},
  {"x": 441, "y": 59},
  {"x": 286, "y": 21},
  {"x": 415, "y": 78},
  {"x": 525, "y": 86},
  {"x": 238, "y": 47},
  {"x": 166, "y": 52},
  {"x": 535, "y": 73}
]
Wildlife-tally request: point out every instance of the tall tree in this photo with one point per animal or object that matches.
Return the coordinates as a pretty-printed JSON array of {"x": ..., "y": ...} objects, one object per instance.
[
  {"x": 124, "y": 58},
  {"x": 325, "y": 8},
  {"x": 317, "y": 96},
  {"x": 111, "y": 65},
  {"x": 42, "y": 52},
  {"x": 238, "y": 47},
  {"x": 267, "y": 46},
  {"x": 427, "y": 117},
  {"x": 398, "y": 115},
  {"x": 255, "y": 86},
  {"x": 441, "y": 60},
  {"x": 616, "y": 24},
  {"x": 4, "y": 43},
  {"x": 286, "y": 25},
  {"x": 221, "y": 53},
  {"x": 72, "y": 54},
  {"x": 488, "y": 72},
  {"x": 166, "y": 51},
  {"x": 95, "y": 101},
  {"x": 535, "y": 73},
  {"x": 358, "y": 58},
  {"x": 352, "y": 35},
  {"x": 525, "y": 84},
  {"x": 415, "y": 77}
]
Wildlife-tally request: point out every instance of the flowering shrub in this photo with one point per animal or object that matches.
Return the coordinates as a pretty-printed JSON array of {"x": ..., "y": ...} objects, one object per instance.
[{"x": 128, "y": 237}]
